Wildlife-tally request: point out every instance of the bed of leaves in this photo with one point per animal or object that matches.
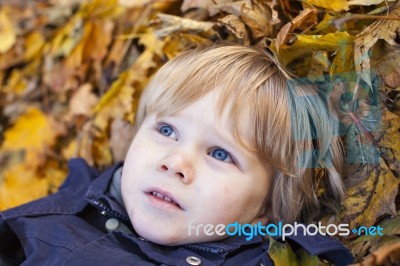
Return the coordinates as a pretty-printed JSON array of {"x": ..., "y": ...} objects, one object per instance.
[{"x": 71, "y": 73}]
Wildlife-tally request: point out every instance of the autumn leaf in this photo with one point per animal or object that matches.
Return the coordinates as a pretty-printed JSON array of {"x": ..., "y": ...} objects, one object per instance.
[
  {"x": 7, "y": 34},
  {"x": 382, "y": 29},
  {"x": 333, "y": 5},
  {"x": 236, "y": 26},
  {"x": 306, "y": 44},
  {"x": 33, "y": 133},
  {"x": 306, "y": 18},
  {"x": 188, "y": 4},
  {"x": 281, "y": 253},
  {"x": 21, "y": 185},
  {"x": 171, "y": 24}
]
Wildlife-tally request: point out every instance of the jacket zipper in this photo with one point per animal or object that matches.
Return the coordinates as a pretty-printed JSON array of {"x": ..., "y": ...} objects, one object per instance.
[{"x": 106, "y": 210}]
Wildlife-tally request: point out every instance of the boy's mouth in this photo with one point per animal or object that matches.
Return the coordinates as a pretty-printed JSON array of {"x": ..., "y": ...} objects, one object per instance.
[{"x": 164, "y": 197}]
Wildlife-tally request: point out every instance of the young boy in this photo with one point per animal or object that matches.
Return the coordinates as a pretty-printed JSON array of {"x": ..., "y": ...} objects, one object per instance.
[{"x": 221, "y": 138}]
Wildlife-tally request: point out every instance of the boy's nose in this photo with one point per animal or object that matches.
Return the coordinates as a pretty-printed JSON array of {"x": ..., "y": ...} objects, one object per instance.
[{"x": 177, "y": 165}]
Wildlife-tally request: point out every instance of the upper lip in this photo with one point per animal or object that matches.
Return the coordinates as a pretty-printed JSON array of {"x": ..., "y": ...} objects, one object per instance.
[{"x": 165, "y": 194}]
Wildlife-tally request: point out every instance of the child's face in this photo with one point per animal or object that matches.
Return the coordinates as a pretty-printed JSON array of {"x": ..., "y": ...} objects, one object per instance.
[{"x": 193, "y": 159}]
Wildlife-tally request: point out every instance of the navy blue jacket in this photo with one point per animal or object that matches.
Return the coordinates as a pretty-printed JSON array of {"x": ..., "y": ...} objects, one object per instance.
[{"x": 68, "y": 228}]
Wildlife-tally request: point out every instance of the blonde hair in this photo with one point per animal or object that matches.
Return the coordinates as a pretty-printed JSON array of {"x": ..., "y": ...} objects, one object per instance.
[{"x": 293, "y": 129}]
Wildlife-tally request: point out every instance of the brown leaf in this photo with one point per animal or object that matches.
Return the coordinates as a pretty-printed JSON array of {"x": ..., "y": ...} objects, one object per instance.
[
  {"x": 388, "y": 254},
  {"x": 120, "y": 138},
  {"x": 98, "y": 40},
  {"x": 258, "y": 17},
  {"x": 171, "y": 24},
  {"x": 306, "y": 18},
  {"x": 372, "y": 198},
  {"x": 236, "y": 26},
  {"x": 83, "y": 101},
  {"x": 188, "y": 4},
  {"x": 380, "y": 30}
]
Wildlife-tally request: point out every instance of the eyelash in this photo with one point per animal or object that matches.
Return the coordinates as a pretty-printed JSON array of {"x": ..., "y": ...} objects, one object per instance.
[{"x": 157, "y": 126}]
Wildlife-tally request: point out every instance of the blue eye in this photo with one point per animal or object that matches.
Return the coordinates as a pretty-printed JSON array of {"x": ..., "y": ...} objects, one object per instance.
[
  {"x": 166, "y": 130},
  {"x": 221, "y": 155}
]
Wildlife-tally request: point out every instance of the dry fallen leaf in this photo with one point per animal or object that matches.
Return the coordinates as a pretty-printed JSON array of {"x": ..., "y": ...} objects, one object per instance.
[
  {"x": 34, "y": 133},
  {"x": 338, "y": 5},
  {"x": 306, "y": 44},
  {"x": 236, "y": 26},
  {"x": 120, "y": 138},
  {"x": 83, "y": 101},
  {"x": 306, "y": 18},
  {"x": 368, "y": 2},
  {"x": 188, "y": 4},
  {"x": 382, "y": 29},
  {"x": 7, "y": 34},
  {"x": 172, "y": 24}
]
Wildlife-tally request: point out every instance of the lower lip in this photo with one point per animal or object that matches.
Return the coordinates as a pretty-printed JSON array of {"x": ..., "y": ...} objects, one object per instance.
[{"x": 160, "y": 203}]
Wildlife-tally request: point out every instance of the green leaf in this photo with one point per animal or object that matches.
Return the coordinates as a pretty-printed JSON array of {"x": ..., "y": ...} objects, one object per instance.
[{"x": 281, "y": 254}]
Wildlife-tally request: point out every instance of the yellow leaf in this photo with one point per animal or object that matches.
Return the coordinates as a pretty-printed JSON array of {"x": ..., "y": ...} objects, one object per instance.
[
  {"x": 368, "y": 2},
  {"x": 71, "y": 150},
  {"x": 174, "y": 44},
  {"x": 281, "y": 253},
  {"x": 101, "y": 9},
  {"x": 16, "y": 83},
  {"x": 337, "y": 5},
  {"x": 372, "y": 198},
  {"x": 325, "y": 23},
  {"x": 115, "y": 103},
  {"x": 54, "y": 174},
  {"x": 306, "y": 44},
  {"x": 21, "y": 185},
  {"x": 7, "y": 35},
  {"x": 152, "y": 43},
  {"x": 344, "y": 60},
  {"x": 98, "y": 40},
  {"x": 67, "y": 37},
  {"x": 33, "y": 133},
  {"x": 34, "y": 43}
]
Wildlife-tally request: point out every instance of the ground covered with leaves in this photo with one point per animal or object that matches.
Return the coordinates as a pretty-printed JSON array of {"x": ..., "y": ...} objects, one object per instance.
[{"x": 71, "y": 73}]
